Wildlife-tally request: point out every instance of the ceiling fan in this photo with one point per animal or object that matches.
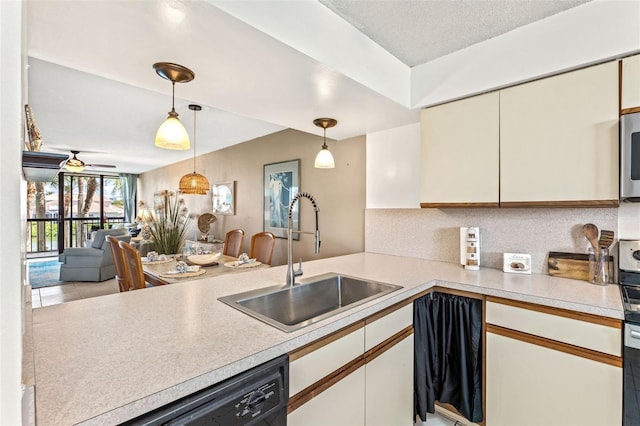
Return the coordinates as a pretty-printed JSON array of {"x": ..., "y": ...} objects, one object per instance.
[{"x": 76, "y": 165}]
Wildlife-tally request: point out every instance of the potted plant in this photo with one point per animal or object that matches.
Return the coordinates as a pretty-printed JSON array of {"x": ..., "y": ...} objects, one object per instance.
[{"x": 168, "y": 225}]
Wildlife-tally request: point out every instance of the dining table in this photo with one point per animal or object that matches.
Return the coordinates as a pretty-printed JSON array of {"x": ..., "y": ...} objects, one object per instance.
[{"x": 162, "y": 272}]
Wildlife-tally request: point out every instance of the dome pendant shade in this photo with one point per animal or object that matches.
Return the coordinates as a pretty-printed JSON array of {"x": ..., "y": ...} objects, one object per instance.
[
  {"x": 172, "y": 134},
  {"x": 324, "y": 159},
  {"x": 194, "y": 183}
]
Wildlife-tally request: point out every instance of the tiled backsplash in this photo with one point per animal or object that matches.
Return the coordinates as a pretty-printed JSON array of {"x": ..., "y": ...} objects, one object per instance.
[{"x": 434, "y": 234}]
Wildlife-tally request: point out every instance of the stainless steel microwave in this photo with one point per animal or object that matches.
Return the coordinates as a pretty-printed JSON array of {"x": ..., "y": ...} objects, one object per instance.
[{"x": 630, "y": 157}]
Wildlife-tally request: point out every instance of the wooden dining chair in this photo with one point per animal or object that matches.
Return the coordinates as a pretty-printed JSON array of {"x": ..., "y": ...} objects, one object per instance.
[
  {"x": 233, "y": 243},
  {"x": 122, "y": 276},
  {"x": 134, "y": 266},
  {"x": 261, "y": 247}
]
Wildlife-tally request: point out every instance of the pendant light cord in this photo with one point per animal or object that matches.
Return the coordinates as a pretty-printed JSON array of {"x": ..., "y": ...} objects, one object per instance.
[
  {"x": 173, "y": 96},
  {"x": 194, "y": 141}
]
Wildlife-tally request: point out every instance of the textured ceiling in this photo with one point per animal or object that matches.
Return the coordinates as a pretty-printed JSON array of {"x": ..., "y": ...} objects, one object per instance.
[{"x": 418, "y": 31}]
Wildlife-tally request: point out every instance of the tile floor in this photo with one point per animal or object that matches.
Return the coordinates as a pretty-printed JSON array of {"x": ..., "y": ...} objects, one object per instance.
[{"x": 53, "y": 295}]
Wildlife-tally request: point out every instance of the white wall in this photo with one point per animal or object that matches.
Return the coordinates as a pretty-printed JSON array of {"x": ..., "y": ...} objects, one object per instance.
[
  {"x": 11, "y": 211},
  {"x": 393, "y": 168}
]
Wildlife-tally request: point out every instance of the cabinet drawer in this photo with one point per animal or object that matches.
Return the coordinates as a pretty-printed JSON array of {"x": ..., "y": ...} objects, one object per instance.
[
  {"x": 381, "y": 329},
  {"x": 315, "y": 365},
  {"x": 589, "y": 335}
]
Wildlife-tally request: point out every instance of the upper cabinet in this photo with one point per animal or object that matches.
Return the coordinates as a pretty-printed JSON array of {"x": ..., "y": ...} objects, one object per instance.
[
  {"x": 630, "y": 85},
  {"x": 459, "y": 153},
  {"x": 551, "y": 142},
  {"x": 559, "y": 139}
]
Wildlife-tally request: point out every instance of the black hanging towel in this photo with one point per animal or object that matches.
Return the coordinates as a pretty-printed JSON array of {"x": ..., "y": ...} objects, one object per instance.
[{"x": 448, "y": 354}]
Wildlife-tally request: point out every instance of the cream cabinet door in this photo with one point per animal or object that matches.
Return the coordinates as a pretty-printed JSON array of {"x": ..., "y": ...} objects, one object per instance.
[
  {"x": 342, "y": 404},
  {"x": 389, "y": 388},
  {"x": 527, "y": 384},
  {"x": 630, "y": 83},
  {"x": 559, "y": 137},
  {"x": 460, "y": 151}
]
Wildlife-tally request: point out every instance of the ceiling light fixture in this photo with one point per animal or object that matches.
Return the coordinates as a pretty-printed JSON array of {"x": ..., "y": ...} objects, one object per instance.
[
  {"x": 73, "y": 164},
  {"x": 194, "y": 183},
  {"x": 172, "y": 134},
  {"x": 324, "y": 159}
]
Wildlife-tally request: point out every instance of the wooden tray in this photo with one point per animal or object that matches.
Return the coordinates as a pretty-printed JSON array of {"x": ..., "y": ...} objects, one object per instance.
[{"x": 572, "y": 265}]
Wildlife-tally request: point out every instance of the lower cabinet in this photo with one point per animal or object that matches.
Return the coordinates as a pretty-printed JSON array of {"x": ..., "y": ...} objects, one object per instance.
[
  {"x": 362, "y": 375},
  {"x": 338, "y": 405},
  {"x": 546, "y": 378},
  {"x": 389, "y": 386}
]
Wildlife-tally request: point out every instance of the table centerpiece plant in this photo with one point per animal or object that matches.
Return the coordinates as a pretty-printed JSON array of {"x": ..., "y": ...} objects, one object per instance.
[{"x": 168, "y": 225}]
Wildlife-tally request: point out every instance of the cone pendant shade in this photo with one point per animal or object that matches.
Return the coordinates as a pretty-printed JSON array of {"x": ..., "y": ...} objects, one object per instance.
[
  {"x": 172, "y": 134},
  {"x": 324, "y": 160}
]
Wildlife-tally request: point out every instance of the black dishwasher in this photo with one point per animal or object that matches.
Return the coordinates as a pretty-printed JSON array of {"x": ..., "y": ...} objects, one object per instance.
[{"x": 257, "y": 397}]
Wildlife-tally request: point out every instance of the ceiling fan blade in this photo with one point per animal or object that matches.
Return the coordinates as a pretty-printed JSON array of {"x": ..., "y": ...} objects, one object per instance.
[{"x": 111, "y": 166}]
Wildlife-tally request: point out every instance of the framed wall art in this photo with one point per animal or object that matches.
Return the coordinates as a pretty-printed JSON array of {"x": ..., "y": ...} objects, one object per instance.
[
  {"x": 281, "y": 184},
  {"x": 224, "y": 198}
]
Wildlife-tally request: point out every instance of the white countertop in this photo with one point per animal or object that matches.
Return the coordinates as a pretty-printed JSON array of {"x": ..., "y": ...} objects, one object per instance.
[{"x": 107, "y": 359}]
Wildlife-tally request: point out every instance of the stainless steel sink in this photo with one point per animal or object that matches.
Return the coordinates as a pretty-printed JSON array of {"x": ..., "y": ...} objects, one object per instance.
[{"x": 314, "y": 299}]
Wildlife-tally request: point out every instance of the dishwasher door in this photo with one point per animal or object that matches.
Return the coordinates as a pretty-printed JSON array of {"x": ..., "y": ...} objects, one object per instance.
[{"x": 257, "y": 397}]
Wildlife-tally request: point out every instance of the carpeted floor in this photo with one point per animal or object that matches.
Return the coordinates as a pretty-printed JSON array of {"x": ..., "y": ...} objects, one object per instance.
[{"x": 44, "y": 273}]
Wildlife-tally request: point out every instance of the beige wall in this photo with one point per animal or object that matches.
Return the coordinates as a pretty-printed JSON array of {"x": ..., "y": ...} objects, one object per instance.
[{"x": 340, "y": 192}]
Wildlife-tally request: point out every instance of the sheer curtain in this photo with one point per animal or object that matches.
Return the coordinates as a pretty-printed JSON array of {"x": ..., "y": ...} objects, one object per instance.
[
  {"x": 129, "y": 184},
  {"x": 448, "y": 354}
]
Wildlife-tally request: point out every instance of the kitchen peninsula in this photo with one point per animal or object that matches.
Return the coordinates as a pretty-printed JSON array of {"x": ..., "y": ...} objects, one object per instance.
[{"x": 109, "y": 359}]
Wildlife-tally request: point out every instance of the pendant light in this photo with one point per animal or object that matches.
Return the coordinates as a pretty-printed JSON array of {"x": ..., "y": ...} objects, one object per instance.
[
  {"x": 194, "y": 183},
  {"x": 324, "y": 159},
  {"x": 172, "y": 134}
]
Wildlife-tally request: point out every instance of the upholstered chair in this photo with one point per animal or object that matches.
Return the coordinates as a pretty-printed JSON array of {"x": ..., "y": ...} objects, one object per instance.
[{"x": 93, "y": 263}]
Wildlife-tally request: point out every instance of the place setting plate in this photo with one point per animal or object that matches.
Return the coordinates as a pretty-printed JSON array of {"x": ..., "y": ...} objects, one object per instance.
[
  {"x": 146, "y": 261},
  {"x": 238, "y": 265},
  {"x": 179, "y": 274}
]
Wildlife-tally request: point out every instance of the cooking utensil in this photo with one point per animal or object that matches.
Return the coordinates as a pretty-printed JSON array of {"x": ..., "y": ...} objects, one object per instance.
[
  {"x": 606, "y": 239},
  {"x": 591, "y": 232}
]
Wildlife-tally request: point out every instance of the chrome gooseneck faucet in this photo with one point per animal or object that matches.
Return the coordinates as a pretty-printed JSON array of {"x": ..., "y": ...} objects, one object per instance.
[{"x": 291, "y": 274}]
